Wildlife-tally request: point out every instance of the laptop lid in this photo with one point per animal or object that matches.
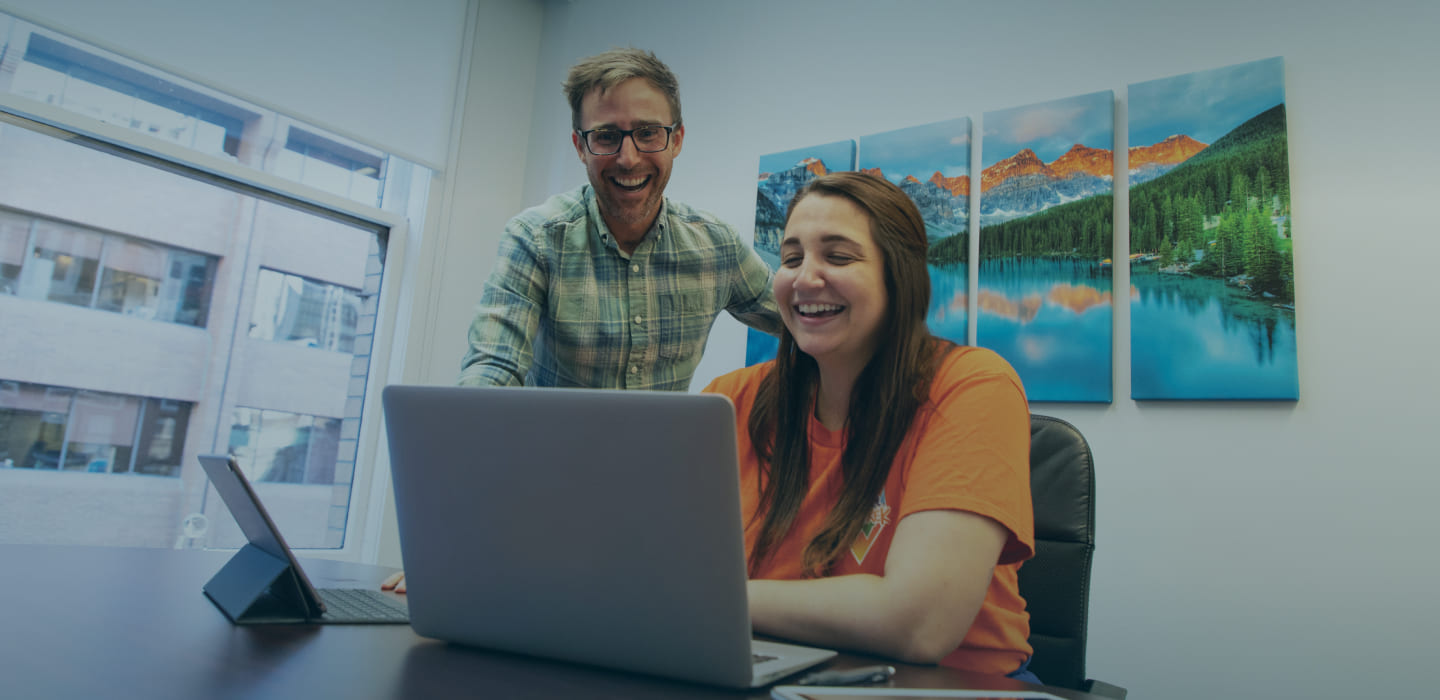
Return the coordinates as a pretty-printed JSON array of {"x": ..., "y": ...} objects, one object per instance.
[{"x": 601, "y": 527}]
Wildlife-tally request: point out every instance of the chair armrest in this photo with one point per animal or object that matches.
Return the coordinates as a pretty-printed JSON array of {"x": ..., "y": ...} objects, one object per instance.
[{"x": 1104, "y": 689}]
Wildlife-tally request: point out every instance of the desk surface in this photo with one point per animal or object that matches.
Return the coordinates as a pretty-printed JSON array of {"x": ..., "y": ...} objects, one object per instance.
[{"x": 82, "y": 622}]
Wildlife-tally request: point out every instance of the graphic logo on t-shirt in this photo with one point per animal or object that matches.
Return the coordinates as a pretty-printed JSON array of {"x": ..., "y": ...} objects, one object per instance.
[{"x": 870, "y": 531}]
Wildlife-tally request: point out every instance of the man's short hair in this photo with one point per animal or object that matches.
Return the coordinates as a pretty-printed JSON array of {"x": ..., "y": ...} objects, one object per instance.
[{"x": 606, "y": 70}]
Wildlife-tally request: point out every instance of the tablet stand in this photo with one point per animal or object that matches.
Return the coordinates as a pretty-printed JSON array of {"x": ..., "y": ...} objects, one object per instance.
[{"x": 255, "y": 587}]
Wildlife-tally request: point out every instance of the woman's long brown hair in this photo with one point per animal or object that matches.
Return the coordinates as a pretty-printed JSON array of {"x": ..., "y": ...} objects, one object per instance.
[{"x": 886, "y": 396}]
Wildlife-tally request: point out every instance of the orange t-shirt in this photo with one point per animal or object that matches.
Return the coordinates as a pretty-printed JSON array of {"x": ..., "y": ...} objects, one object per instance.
[{"x": 968, "y": 449}]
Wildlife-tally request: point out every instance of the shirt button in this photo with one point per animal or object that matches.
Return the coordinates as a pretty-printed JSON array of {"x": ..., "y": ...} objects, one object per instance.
[
  {"x": 634, "y": 268},
  {"x": 639, "y": 319},
  {"x": 634, "y": 369}
]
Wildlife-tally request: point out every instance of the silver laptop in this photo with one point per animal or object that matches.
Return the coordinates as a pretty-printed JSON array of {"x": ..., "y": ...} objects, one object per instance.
[{"x": 601, "y": 527}]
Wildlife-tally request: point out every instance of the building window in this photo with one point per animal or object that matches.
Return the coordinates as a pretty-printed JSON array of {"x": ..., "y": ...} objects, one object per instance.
[
  {"x": 101, "y": 433},
  {"x": 54, "y": 69},
  {"x": 293, "y": 309},
  {"x": 131, "y": 281},
  {"x": 331, "y": 166},
  {"x": 135, "y": 277},
  {"x": 62, "y": 265},
  {"x": 155, "y": 282},
  {"x": 14, "y": 238},
  {"x": 63, "y": 429},
  {"x": 161, "y": 445},
  {"x": 32, "y": 425},
  {"x": 57, "y": 73},
  {"x": 288, "y": 448}
]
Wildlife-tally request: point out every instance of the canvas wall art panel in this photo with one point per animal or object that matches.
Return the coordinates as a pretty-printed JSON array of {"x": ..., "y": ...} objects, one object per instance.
[
  {"x": 931, "y": 163},
  {"x": 1046, "y": 238},
  {"x": 1212, "y": 291},
  {"x": 781, "y": 175}
]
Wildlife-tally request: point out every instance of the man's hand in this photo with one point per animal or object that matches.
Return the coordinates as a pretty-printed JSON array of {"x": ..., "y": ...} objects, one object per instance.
[{"x": 396, "y": 582}]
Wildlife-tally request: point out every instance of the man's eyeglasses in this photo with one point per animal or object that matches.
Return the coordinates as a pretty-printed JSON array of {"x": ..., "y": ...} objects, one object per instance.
[{"x": 647, "y": 139}]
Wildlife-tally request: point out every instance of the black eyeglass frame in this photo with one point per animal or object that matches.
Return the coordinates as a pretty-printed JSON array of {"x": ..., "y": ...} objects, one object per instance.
[{"x": 669, "y": 132}]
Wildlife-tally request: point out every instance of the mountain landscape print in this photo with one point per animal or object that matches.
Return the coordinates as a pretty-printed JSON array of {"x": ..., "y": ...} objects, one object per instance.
[
  {"x": 1046, "y": 237},
  {"x": 1212, "y": 295},
  {"x": 931, "y": 163},
  {"x": 781, "y": 176}
]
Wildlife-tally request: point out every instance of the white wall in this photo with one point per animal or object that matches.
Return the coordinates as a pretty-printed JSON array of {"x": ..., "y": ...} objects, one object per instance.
[
  {"x": 381, "y": 71},
  {"x": 483, "y": 188},
  {"x": 476, "y": 196},
  {"x": 1245, "y": 550}
]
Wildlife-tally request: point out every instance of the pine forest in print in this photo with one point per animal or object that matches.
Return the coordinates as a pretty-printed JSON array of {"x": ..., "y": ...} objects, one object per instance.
[{"x": 1212, "y": 292}]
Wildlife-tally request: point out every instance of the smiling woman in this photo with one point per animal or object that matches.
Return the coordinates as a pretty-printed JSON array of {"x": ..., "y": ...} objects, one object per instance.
[
  {"x": 831, "y": 283},
  {"x": 872, "y": 444}
]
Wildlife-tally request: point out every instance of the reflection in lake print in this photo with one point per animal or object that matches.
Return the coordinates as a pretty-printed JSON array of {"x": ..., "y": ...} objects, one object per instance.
[
  {"x": 1196, "y": 338},
  {"x": 949, "y": 303},
  {"x": 1050, "y": 318}
]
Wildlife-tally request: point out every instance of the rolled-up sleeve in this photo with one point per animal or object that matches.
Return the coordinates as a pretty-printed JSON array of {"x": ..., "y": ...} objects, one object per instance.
[{"x": 752, "y": 295}]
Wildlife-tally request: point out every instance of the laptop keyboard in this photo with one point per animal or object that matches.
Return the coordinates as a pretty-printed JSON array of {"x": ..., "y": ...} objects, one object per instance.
[
  {"x": 361, "y": 605},
  {"x": 761, "y": 658}
]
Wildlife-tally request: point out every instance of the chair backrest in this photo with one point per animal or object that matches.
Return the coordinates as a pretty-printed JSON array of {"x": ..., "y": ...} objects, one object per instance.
[{"x": 1056, "y": 582}]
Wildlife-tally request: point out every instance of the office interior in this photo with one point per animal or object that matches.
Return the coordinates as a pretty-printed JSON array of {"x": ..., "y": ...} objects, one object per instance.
[{"x": 1278, "y": 549}]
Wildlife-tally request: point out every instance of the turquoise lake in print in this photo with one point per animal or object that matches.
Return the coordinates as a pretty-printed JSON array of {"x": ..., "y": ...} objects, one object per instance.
[
  {"x": 1197, "y": 338},
  {"x": 1050, "y": 318}
]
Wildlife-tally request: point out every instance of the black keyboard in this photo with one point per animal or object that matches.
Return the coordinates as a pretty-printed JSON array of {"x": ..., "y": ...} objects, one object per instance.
[{"x": 362, "y": 606}]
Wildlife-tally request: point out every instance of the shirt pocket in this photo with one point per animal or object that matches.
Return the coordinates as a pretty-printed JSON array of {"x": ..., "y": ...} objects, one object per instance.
[{"x": 686, "y": 318}]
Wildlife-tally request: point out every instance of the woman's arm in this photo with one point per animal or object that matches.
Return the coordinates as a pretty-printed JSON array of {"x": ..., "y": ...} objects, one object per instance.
[{"x": 936, "y": 576}]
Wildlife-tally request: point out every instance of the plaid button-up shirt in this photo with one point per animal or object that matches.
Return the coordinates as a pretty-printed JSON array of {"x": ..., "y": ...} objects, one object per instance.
[{"x": 566, "y": 307}]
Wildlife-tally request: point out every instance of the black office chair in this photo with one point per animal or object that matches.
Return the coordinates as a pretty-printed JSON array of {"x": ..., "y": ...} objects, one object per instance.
[{"x": 1056, "y": 583}]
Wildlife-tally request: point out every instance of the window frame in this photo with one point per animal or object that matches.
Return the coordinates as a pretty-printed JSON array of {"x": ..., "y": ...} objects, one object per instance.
[{"x": 371, "y": 481}]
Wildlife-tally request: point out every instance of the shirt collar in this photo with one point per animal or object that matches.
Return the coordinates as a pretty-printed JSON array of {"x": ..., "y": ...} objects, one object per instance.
[{"x": 601, "y": 231}]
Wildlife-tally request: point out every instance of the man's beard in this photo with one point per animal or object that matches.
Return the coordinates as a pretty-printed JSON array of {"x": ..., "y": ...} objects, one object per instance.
[{"x": 631, "y": 215}]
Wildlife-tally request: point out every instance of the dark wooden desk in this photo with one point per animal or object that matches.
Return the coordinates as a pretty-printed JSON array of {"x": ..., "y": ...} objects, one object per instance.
[{"x": 82, "y": 622}]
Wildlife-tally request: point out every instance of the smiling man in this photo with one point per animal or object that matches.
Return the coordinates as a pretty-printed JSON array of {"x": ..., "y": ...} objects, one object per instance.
[{"x": 613, "y": 285}]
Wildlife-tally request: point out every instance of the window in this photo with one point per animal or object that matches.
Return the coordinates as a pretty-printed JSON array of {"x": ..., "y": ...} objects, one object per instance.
[
  {"x": 62, "y": 266},
  {"x": 32, "y": 425},
  {"x": 133, "y": 387},
  {"x": 296, "y": 465},
  {"x": 14, "y": 238},
  {"x": 64, "y": 75},
  {"x": 280, "y": 447},
  {"x": 135, "y": 277},
  {"x": 101, "y": 434},
  {"x": 131, "y": 280},
  {"x": 331, "y": 166},
  {"x": 160, "y": 448},
  {"x": 293, "y": 309},
  {"x": 155, "y": 310},
  {"x": 62, "y": 429},
  {"x": 57, "y": 70}
]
